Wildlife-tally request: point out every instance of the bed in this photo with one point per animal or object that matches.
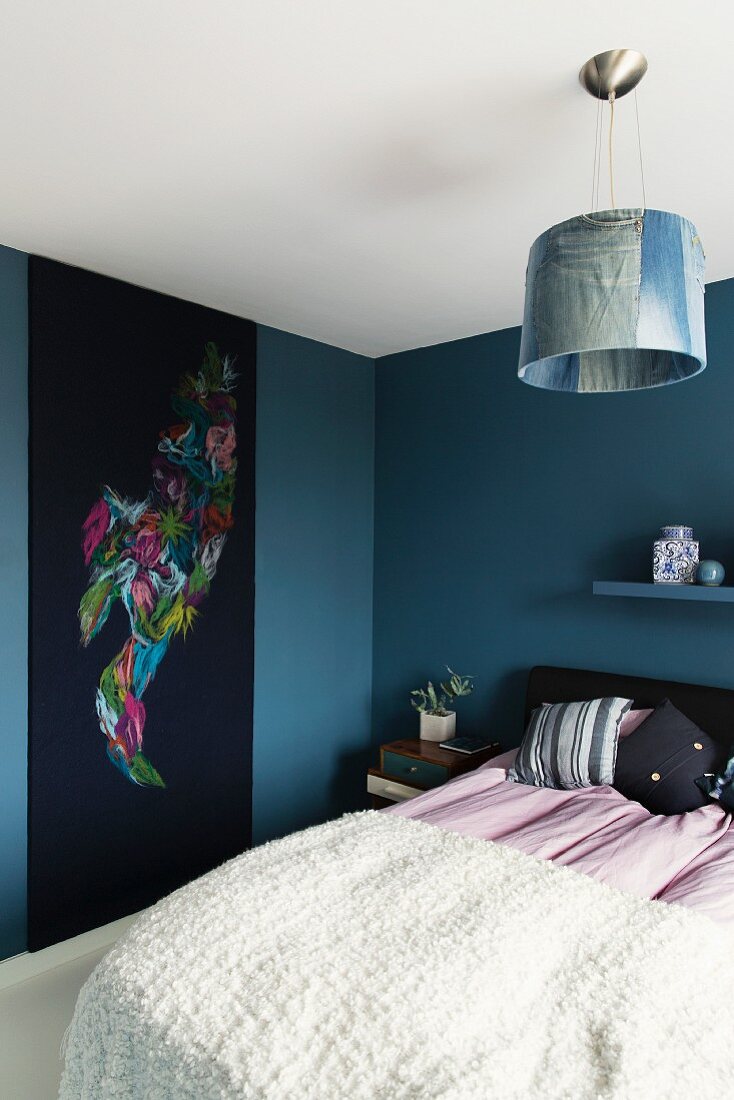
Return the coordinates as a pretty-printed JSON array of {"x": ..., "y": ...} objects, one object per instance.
[
  {"x": 443, "y": 948},
  {"x": 687, "y": 858}
]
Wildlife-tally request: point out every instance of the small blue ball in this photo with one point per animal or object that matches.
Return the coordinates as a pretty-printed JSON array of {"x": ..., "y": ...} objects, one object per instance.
[{"x": 710, "y": 573}]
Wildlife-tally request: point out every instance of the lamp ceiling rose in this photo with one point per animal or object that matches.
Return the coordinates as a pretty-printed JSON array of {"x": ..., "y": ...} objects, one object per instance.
[{"x": 618, "y": 71}]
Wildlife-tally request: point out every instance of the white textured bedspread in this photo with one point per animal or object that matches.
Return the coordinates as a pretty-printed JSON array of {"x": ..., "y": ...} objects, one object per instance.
[{"x": 376, "y": 956}]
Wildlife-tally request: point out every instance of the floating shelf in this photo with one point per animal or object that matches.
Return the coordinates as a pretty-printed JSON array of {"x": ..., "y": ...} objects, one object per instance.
[{"x": 665, "y": 591}]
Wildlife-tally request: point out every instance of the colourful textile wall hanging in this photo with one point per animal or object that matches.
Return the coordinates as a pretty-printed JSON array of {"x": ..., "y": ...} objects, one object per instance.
[{"x": 142, "y": 430}]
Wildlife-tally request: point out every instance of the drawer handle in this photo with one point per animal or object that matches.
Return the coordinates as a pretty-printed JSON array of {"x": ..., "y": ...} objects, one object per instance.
[{"x": 413, "y": 769}]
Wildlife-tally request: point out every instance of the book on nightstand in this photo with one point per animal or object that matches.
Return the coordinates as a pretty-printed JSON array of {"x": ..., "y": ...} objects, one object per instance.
[{"x": 467, "y": 745}]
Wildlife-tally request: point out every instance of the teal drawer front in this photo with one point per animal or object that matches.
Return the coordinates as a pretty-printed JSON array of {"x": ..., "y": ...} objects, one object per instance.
[{"x": 420, "y": 771}]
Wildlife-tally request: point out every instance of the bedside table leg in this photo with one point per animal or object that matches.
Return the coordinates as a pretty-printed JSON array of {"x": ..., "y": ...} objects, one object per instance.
[{"x": 380, "y": 803}]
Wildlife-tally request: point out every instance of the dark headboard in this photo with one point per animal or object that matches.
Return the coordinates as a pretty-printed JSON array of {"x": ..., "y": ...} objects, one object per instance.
[{"x": 710, "y": 708}]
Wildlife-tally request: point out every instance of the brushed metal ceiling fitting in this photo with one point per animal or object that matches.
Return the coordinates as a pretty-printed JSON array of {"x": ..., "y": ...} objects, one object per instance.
[{"x": 613, "y": 73}]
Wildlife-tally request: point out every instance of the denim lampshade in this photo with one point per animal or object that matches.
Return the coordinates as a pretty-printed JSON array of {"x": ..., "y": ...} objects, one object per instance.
[{"x": 614, "y": 301}]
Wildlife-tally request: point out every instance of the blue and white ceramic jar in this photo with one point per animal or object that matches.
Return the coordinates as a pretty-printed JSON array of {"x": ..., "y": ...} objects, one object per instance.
[{"x": 675, "y": 556}]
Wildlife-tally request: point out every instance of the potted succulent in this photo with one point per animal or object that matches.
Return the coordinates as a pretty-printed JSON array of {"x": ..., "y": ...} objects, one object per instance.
[{"x": 438, "y": 722}]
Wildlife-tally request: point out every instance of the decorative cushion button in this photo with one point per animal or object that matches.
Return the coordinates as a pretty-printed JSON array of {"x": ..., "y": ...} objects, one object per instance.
[
  {"x": 655, "y": 776},
  {"x": 697, "y": 745}
]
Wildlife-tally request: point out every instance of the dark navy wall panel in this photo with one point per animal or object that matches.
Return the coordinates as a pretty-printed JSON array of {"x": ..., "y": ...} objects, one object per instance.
[
  {"x": 105, "y": 358},
  {"x": 14, "y": 595},
  {"x": 497, "y": 505},
  {"x": 313, "y": 582}
]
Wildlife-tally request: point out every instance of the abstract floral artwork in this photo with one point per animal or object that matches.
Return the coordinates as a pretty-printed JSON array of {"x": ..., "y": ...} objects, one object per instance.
[
  {"x": 141, "y": 595},
  {"x": 158, "y": 556}
]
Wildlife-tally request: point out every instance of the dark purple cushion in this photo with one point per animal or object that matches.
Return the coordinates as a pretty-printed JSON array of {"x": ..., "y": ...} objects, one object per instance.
[{"x": 659, "y": 763}]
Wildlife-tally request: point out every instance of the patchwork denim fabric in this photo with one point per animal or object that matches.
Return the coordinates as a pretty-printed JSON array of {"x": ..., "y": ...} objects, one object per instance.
[{"x": 614, "y": 301}]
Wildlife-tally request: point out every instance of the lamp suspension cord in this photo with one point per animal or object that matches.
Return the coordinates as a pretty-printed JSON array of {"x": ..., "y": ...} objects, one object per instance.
[
  {"x": 596, "y": 172},
  {"x": 598, "y": 163},
  {"x": 612, "y": 97},
  {"x": 597, "y": 155},
  {"x": 639, "y": 149}
]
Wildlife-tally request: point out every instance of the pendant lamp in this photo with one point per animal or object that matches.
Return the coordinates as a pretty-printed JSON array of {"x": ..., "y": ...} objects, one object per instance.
[{"x": 614, "y": 298}]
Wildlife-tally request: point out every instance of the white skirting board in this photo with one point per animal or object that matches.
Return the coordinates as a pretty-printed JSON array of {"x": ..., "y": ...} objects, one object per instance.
[{"x": 30, "y": 964}]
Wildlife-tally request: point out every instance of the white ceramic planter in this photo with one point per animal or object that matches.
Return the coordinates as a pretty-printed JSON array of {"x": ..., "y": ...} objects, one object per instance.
[{"x": 437, "y": 727}]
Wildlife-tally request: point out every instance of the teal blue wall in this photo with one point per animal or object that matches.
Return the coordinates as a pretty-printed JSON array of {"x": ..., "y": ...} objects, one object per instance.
[
  {"x": 13, "y": 595},
  {"x": 492, "y": 505},
  {"x": 313, "y": 584},
  {"x": 497, "y": 505},
  {"x": 313, "y": 614}
]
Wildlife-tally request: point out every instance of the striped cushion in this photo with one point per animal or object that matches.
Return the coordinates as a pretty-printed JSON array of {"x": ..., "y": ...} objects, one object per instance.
[{"x": 568, "y": 745}]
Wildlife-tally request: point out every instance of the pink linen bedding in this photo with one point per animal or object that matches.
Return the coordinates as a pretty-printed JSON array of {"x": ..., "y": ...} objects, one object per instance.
[{"x": 687, "y": 858}]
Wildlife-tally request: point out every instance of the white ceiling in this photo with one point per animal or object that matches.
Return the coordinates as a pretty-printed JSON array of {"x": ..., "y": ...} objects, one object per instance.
[{"x": 369, "y": 173}]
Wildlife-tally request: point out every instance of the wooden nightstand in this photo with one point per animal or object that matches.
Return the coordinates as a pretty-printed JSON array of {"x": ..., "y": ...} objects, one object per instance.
[{"x": 408, "y": 768}]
